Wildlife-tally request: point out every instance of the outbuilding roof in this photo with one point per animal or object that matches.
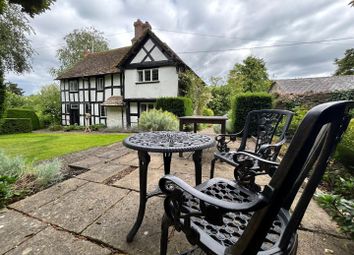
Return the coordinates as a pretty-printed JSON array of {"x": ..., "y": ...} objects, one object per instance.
[
  {"x": 318, "y": 85},
  {"x": 97, "y": 63},
  {"x": 114, "y": 101}
]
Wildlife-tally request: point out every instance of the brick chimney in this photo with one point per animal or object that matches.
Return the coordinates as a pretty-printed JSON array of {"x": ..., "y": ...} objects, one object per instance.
[{"x": 140, "y": 28}]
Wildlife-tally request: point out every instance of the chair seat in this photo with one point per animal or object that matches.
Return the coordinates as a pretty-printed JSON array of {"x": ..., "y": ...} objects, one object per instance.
[{"x": 217, "y": 238}]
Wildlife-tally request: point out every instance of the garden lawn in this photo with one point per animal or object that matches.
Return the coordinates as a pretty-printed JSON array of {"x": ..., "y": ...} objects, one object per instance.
[{"x": 37, "y": 147}]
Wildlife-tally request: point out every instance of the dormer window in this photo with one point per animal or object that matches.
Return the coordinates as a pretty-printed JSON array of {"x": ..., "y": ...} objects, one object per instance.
[{"x": 148, "y": 75}]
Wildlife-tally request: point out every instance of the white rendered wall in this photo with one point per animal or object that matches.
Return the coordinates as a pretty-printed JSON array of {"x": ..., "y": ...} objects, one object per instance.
[
  {"x": 114, "y": 117},
  {"x": 167, "y": 85}
]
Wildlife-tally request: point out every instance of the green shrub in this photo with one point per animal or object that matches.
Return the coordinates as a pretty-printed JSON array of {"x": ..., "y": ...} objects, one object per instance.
[
  {"x": 341, "y": 209},
  {"x": 345, "y": 149},
  {"x": 97, "y": 127},
  {"x": 26, "y": 114},
  {"x": 55, "y": 127},
  {"x": 6, "y": 190},
  {"x": 179, "y": 106},
  {"x": 11, "y": 166},
  {"x": 208, "y": 112},
  {"x": 48, "y": 173},
  {"x": 243, "y": 103},
  {"x": 73, "y": 127},
  {"x": 220, "y": 99},
  {"x": 16, "y": 125},
  {"x": 158, "y": 120}
]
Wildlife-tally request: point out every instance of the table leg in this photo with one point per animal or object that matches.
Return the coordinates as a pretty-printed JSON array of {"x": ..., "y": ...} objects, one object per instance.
[
  {"x": 144, "y": 159},
  {"x": 223, "y": 128},
  {"x": 197, "y": 158},
  {"x": 167, "y": 162},
  {"x": 195, "y": 127},
  {"x": 180, "y": 129}
]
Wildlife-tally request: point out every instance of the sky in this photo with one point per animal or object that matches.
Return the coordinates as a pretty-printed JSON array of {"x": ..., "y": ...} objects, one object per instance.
[{"x": 295, "y": 38}]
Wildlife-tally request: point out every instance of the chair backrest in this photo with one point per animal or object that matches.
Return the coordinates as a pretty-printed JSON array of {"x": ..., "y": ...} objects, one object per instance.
[
  {"x": 264, "y": 124},
  {"x": 307, "y": 156}
]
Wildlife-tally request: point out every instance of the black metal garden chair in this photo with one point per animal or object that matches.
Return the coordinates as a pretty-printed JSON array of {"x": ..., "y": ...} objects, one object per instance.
[
  {"x": 267, "y": 126},
  {"x": 223, "y": 217}
]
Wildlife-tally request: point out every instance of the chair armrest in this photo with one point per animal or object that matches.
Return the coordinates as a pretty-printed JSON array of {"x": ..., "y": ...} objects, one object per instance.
[
  {"x": 169, "y": 183},
  {"x": 230, "y": 136},
  {"x": 223, "y": 139},
  {"x": 243, "y": 153},
  {"x": 271, "y": 146}
]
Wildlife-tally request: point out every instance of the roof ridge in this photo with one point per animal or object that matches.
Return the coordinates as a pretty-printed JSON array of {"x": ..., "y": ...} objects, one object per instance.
[{"x": 335, "y": 76}]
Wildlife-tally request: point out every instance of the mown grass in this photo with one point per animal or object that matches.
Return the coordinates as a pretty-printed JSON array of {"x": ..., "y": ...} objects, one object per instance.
[{"x": 36, "y": 146}]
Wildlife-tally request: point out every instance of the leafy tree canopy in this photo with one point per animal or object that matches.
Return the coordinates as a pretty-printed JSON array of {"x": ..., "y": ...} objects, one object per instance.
[
  {"x": 249, "y": 76},
  {"x": 31, "y": 7},
  {"x": 76, "y": 43},
  {"x": 15, "y": 48},
  {"x": 345, "y": 65},
  {"x": 193, "y": 87},
  {"x": 13, "y": 87}
]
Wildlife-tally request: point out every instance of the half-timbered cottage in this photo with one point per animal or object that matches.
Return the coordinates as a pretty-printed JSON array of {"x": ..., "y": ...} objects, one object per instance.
[{"x": 114, "y": 87}]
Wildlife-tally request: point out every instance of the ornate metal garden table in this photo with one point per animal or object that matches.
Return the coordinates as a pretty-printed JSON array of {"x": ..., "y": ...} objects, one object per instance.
[{"x": 166, "y": 142}]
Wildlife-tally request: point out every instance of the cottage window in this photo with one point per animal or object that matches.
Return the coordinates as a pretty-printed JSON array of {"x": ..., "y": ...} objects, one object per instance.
[
  {"x": 146, "y": 106},
  {"x": 100, "y": 83},
  {"x": 148, "y": 75},
  {"x": 73, "y": 86},
  {"x": 155, "y": 74},
  {"x": 102, "y": 111},
  {"x": 87, "y": 108},
  {"x": 140, "y": 76}
]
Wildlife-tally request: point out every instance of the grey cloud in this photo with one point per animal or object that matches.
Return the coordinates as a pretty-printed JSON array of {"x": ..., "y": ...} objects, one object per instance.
[{"x": 257, "y": 22}]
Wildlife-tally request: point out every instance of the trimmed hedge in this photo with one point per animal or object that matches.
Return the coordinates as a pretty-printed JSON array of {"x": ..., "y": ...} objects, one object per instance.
[
  {"x": 179, "y": 106},
  {"x": 24, "y": 114},
  {"x": 243, "y": 103},
  {"x": 16, "y": 125},
  {"x": 345, "y": 149}
]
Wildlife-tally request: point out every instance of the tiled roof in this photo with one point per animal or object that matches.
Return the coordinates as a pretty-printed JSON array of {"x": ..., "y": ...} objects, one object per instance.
[
  {"x": 114, "y": 101},
  {"x": 96, "y": 64},
  {"x": 313, "y": 85}
]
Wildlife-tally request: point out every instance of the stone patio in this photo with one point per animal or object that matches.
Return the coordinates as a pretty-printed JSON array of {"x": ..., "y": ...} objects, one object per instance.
[{"x": 93, "y": 212}]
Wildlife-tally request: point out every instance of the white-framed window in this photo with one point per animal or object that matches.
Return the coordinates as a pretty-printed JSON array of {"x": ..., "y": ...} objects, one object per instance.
[
  {"x": 102, "y": 111},
  {"x": 148, "y": 75},
  {"x": 146, "y": 107},
  {"x": 73, "y": 86},
  {"x": 100, "y": 83}
]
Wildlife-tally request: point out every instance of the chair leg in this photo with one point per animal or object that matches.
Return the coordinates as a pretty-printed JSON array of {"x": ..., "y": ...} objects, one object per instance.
[
  {"x": 212, "y": 169},
  {"x": 165, "y": 224}
]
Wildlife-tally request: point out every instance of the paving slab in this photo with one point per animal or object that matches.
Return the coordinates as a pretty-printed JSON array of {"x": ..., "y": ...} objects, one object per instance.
[
  {"x": 88, "y": 162},
  {"x": 131, "y": 159},
  {"x": 79, "y": 209},
  {"x": 113, "y": 154},
  {"x": 15, "y": 228},
  {"x": 316, "y": 219},
  {"x": 100, "y": 173},
  {"x": 39, "y": 199},
  {"x": 52, "y": 241},
  {"x": 113, "y": 227},
  {"x": 316, "y": 243}
]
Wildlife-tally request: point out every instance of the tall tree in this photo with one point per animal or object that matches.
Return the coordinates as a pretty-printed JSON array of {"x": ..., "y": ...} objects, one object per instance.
[
  {"x": 76, "y": 43},
  {"x": 49, "y": 102},
  {"x": 249, "y": 76},
  {"x": 15, "y": 48},
  {"x": 196, "y": 90},
  {"x": 13, "y": 87},
  {"x": 345, "y": 65}
]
